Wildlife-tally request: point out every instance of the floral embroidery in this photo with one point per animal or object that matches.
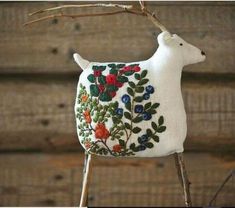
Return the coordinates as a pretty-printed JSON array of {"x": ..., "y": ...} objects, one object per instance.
[{"x": 93, "y": 115}]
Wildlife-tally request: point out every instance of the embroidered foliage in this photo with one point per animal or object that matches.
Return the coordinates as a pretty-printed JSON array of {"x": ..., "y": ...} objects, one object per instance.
[{"x": 93, "y": 116}]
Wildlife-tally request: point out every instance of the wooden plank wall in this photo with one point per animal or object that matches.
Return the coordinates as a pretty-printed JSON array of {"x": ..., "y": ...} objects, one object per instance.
[{"x": 38, "y": 78}]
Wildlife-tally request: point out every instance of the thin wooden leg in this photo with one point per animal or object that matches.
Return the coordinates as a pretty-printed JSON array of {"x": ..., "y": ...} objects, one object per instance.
[
  {"x": 183, "y": 178},
  {"x": 86, "y": 174}
]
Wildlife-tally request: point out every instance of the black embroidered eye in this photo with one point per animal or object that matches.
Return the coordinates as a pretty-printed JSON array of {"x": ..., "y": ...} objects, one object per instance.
[{"x": 181, "y": 44}]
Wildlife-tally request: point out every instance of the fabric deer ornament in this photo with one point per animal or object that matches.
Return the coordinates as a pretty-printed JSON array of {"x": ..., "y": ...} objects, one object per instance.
[{"x": 135, "y": 109}]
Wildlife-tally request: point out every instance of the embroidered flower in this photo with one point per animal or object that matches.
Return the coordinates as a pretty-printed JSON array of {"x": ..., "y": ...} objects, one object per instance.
[
  {"x": 147, "y": 116},
  {"x": 111, "y": 79},
  {"x": 146, "y": 96},
  {"x": 149, "y": 89},
  {"x": 126, "y": 98},
  {"x": 139, "y": 108},
  {"x": 117, "y": 148},
  {"x": 101, "y": 132},
  {"x": 127, "y": 68},
  {"x": 84, "y": 98},
  {"x": 87, "y": 144},
  {"x": 97, "y": 73},
  {"x": 87, "y": 116}
]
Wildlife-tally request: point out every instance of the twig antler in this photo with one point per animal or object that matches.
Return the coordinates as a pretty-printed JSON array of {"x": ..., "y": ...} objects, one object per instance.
[{"x": 129, "y": 9}]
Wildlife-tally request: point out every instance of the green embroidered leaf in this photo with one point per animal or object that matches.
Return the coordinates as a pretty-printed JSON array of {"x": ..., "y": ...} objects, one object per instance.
[
  {"x": 121, "y": 142},
  {"x": 102, "y": 79},
  {"x": 155, "y": 138},
  {"x": 128, "y": 73},
  {"x": 132, "y": 146},
  {"x": 139, "y": 89},
  {"x": 113, "y": 71},
  {"x": 127, "y": 125},
  {"x": 131, "y": 84},
  {"x": 102, "y": 68},
  {"x": 149, "y": 132},
  {"x": 138, "y": 99},
  {"x": 128, "y": 106},
  {"x": 137, "y": 119},
  {"x": 91, "y": 78},
  {"x": 143, "y": 81},
  {"x": 127, "y": 115},
  {"x": 115, "y": 105},
  {"x": 94, "y": 90},
  {"x": 160, "y": 120},
  {"x": 143, "y": 74},
  {"x": 151, "y": 111},
  {"x": 115, "y": 119},
  {"x": 149, "y": 145},
  {"x": 104, "y": 96},
  {"x": 94, "y": 67},
  {"x": 112, "y": 88},
  {"x": 122, "y": 79},
  {"x": 130, "y": 91},
  {"x": 161, "y": 129},
  {"x": 137, "y": 76},
  {"x": 120, "y": 65},
  {"x": 136, "y": 130},
  {"x": 111, "y": 65},
  {"x": 154, "y": 125},
  {"x": 155, "y": 105},
  {"x": 147, "y": 105}
]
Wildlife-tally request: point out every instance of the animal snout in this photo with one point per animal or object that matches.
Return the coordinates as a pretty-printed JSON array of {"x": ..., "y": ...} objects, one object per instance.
[{"x": 203, "y": 53}]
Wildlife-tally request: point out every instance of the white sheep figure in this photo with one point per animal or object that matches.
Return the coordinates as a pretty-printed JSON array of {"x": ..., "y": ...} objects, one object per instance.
[{"x": 135, "y": 109}]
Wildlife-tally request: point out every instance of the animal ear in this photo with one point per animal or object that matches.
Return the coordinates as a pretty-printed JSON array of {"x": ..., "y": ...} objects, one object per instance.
[{"x": 164, "y": 38}]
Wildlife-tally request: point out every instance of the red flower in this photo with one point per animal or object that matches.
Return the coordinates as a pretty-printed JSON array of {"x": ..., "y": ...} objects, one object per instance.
[
  {"x": 101, "y": 88},
  {"x": 118, "y": 84},
  {"x": 101, "y": 132},
  {"x": 111, "y": 79},
  {"x": 97, "y": 73},
  {"x": 87, "y": 144},
  {"x": 87, "y": 116},
  {"x": 117, "y": 148},
  {"x": 136, "y": 68},
  {"x": 112, "y": 94}
]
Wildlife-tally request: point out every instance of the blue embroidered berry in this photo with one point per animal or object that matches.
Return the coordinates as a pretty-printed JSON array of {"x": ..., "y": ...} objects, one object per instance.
[
  {"x": 119, "y": 111},
  {"x": 146, "y": 96},
  {"x": 126, "y": 98},
  {"x": 139, "y": 108},
  {"x": 143, "y": 139},
  {"x": 147, "y": 116},
  {"x": 149, "y": 89},
  {"x": 142, "y": 148}
]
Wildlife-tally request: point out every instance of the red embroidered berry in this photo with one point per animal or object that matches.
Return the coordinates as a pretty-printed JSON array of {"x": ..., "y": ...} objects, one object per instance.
[
  {"x": 117, "y": 148},
  {"x": 111, "y": 79},
  {"x": 127, "y": 68},
  {"x": 119, "y": 84},
  {"x": 97, "y": 73},
  {"x": 101, "y": 88},
  {"x": 112, "y": 94},
  {"x": 136, "y": 68}
]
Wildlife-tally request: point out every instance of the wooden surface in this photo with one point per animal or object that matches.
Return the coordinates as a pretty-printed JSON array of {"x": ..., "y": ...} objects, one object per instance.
[
  {"x": 55, "y": 180},
  {"x": 38, "y": 78}
]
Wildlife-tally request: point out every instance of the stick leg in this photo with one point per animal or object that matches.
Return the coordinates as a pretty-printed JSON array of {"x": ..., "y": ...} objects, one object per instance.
[
  {"x": 183, "y": 178},
  {"x": 86, "y": 174}
]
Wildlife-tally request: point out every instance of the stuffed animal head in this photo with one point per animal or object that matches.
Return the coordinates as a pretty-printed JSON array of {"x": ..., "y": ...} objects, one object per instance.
[{"x": 176, "y": 47}]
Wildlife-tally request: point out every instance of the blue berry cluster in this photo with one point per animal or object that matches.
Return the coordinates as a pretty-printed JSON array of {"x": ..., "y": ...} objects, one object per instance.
[
  {"x": 148, "y": 90},
  {"x": 142, "y": 141}
]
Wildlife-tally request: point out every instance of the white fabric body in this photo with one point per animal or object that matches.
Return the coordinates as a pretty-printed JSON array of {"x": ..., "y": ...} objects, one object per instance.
[{"x": 164, "y": 74}]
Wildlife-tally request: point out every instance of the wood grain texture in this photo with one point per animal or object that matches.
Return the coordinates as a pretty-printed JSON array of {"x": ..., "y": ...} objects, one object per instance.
[
  {"x": 48, "y": 46},
  {"x": 55, "y": 180},
  {"x": 39, "y": 115}
]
